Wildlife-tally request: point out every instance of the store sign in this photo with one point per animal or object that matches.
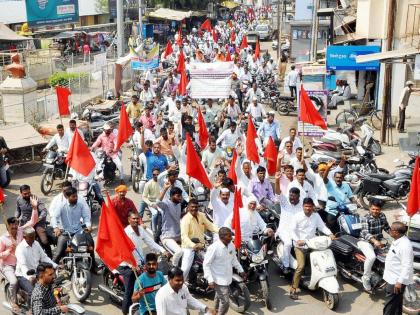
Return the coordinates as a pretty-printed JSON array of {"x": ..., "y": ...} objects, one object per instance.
[
  {"x": 47, "y": 12},
  {"x": 344, "y": 58}
]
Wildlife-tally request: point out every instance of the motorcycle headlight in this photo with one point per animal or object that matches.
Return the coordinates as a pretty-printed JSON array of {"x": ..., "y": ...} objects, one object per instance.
[
  {"x": 82, "y": 249},
  {"x": 258, "y": 258}
]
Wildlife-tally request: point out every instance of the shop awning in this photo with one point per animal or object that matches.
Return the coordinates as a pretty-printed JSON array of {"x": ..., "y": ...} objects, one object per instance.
[
  {"x": 68, "y": 34},
  {"x": 168, "y": 14},
  {"x": 229, "y": 4},
  {"x": 393, "y": 54},
  {"x": 7, "y": 34}
]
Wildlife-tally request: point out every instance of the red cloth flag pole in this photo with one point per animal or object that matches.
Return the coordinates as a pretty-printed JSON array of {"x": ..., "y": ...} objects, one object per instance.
[
  {"x": 244, "y": 43},
  {"x": 181, "y": 62},
  {"x": 214, "y": 35},
  {"x": 194, "y": 167},
  {"x": 79, "y": 157},
  {"x": 179, "y": 40},
  {"x": 2, "y": 197},
  {"x": 232, "y": 171},
  {"x": 63, "y": 94},
  {"x": 413, "y": 203},
  {"x": 168, "y": 49},
  {"x": 228, "y": 57},
  {"x": 236, "y": 219},
  {"x": 251, "y": 146},
  {"x": 270, "y": 154},
  {"x": 113, "y": 245},
  {"x": 257, "y": 49},
  {"x": 125, "y": 130},
  {"x": 206, "y": 25},
  {"x": 203, "y": 134},
  {"x": 308, "y": 112},
  {"x": 232, "y": 37},
  {"x": 182, "y": 88}
]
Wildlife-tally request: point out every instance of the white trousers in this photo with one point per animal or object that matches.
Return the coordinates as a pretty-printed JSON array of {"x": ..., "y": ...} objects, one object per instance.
[
  {"x": 174, "y": 248},
  {"x": 287, "y": 246},
  {"x": 187, "y": 260},
  {"x": 119, "y": 165},
  {"x": 367, "y": 250}
]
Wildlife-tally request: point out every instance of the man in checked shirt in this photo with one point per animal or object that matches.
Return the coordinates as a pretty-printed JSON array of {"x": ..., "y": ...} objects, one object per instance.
[
  {"x": 373, "y": 224},
  {"x": 43, "y": 301}
]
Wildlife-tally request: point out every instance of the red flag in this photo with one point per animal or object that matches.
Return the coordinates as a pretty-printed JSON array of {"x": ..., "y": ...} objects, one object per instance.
[
  {"x": 251, "y": 146},
  {"x": 2, "y": 197},
  {"x": 244, "y": 43},
  {"x": 270, "y": 153},
  {"x": 179, "y": 40},
  {"x": 215, "y": 36},
  {"x": 125, "y": 130},
  {"x": 194, "y": 167},
  {"x": 182, "y": 88},
  {"x": 206, "y": 25},
  {"x": 232, "y": 37},
  {"x": 228, "y": 57},
  {"x": 308, "y": 113},
  {"x": 79, "y": 157},
  {"x": 236, "y": 219},
  {"x": 257, "y": 49},
  {"x": 181, "y": 62},
  {"x": 63, "y": 100},
  {"x": 168, "y": 49},
  {"x": 230, "y": 23},
  {"x": 113, "y": 245},
  {"x": 413, "y": 203},
  {"x": 203, "y": 133},
  {"x": 232, "y": 171}
]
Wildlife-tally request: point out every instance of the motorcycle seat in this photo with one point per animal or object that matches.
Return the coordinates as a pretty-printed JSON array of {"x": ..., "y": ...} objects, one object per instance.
[
  {"x": 349, "y": 240},
  {"x": 286, "y": 98},
  {"x": 382, "y": 176},
  {"x": 332, "y": 141}
]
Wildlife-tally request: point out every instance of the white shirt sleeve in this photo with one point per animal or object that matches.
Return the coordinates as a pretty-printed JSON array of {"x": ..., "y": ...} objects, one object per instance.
[
  {"x": 160, "y": 302},
  {"x": 406, "y": 254},
  {"x": 149, "y": 241},
  {"x": 208, "y": 259},
  {"x": 320, "y": 225}
]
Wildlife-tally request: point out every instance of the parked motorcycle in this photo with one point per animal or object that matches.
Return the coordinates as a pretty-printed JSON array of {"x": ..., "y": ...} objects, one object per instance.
[
  {"x": 323, "y": 269},
  {"x": 78, "y": 262},
  {"x": 54, "y": 168},
  {"x": 5, "y": 167},
  {"x": 61, "y": 291},
  {"x": 253, "y": 258}
]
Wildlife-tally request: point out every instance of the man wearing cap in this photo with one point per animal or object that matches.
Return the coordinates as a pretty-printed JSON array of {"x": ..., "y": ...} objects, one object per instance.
[
  {"x": 222, "y": 203},
  {"x": 107, "y": 141},
  {"x": 270, "y": 128},
  {"x": 403, "y": 103},
  {"x": 256, "y": 110},
  {"x": 122, "y": 204}
]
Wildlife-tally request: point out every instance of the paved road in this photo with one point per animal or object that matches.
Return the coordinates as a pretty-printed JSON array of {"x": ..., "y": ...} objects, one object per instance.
[{"x": 352, "y": 299}]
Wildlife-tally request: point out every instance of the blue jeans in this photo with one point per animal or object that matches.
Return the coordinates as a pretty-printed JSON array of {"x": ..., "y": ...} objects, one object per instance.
[{"x": 142, "y": 206}]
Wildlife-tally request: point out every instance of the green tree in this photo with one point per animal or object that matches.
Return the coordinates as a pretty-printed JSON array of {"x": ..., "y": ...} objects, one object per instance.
[{"x": 101, "y": 6}]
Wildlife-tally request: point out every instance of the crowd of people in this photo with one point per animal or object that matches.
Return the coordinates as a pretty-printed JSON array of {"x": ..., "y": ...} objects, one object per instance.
[{"x": 306, "y": 198}]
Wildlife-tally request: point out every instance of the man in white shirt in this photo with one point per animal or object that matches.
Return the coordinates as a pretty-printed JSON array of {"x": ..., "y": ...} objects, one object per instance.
[
  {"x": 256, "y": 110},
  {"x": 60, "y": 139},
  {"x": 291, "y": 80},
  {"x": 28, "y": 256},
  {"x": 219, "y": 261},
  {"x": 141, "y": 132},
  {"x": 170, "y": 102},
  {"x": 255, "y": 91},
  {"x": 398, "y": 269},
  {"x": 290, "y": 206},
  {"x": 296, "y": 143},
  {"x": 285, "y": 156},
  {"x": 306, "y": 189},
  {"x": 174, "y": 298},
  {"x": 175, "y": 113},
  {"x": 303, "y": 227},
  {"x": 147, "y": 94},
  {"x": 298, "y": 161},
  {"x": 251, "y": 221},
  {"x": 139, "y": 237},
  {"x": 72, "y": 129},
  {"x": 229, "y": 137},
  {"x": 222, "y": 204},
  {"x": 212, "y": 154}
]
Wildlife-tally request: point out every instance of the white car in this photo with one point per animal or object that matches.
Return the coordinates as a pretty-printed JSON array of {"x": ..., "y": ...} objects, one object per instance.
[{"x": 263, "y": 31}]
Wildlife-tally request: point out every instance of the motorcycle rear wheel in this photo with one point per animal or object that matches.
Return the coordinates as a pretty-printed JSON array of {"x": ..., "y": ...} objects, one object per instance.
[
  {"x": 135, "y": 180},
  {"x": 363, "y": 198},
  {"x": 376, "y": 119},
  {"x": 239, "y": 298},
  {"x": 81, "y": 292},
  {"x": 47, "y": 182},
  {"x": 283, "y": 108},
  {"x": 331, "y": 300},
  {"x": 345, "y": 119}
]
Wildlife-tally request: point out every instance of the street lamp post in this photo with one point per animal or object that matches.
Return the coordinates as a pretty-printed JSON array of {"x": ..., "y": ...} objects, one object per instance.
[
  {"x": 120, "y": 28},
  {"x": 140, "y": 20}
]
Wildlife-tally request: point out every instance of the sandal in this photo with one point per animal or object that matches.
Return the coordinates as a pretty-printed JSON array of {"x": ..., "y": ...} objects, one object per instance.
[{"x": 294, "y": 295}]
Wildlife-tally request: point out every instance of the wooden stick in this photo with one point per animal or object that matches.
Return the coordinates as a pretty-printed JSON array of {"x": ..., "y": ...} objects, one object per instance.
[{"x": 144, "y": 296}]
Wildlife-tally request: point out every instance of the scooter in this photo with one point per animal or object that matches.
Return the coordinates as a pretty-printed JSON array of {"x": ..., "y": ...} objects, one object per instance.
[{"x": 323, "y": 269}]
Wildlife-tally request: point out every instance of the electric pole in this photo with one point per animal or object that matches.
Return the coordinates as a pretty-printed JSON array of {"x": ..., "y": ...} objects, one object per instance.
[
  {"x": 120, "y": 28},
  {"x": 279, "y": 27},
  {"x": 140, "y": 20},
  {"x": 314, "y": 38}
]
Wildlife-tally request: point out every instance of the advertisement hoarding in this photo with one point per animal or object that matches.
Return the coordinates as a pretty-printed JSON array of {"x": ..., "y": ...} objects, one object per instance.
[
  {"x": 47, "y": 12},
  {"x": 344, "y": 58}
]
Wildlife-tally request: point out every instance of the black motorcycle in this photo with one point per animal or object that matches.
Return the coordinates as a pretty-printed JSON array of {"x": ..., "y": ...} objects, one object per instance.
[
  {"x": 5, "y": 167},
  {"x": 107, "y": 167},
  {"x": 85, "y": 189},
  {"x": 54, "y": 168},
  {"x": 253, "y": 258},
  {"x": 78, "y": 263},
  {"x": 136, "y": 170}
]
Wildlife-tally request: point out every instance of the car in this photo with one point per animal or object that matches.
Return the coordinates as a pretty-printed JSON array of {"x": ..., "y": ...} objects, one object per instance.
[{"x": 263, "y": 31}]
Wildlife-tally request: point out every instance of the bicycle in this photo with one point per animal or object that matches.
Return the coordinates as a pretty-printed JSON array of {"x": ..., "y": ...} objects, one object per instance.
[{"x": 358, "y": 114}]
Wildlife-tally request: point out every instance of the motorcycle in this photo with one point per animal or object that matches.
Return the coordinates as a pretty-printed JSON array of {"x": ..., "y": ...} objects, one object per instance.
[
  {"x": 107, "y": 167},
  {"x": 323, "y": 269},
  {"x": 137, "y": 171},
  {"x": 78, "y": 262},
  {"x": 239, "y": 297},
  {"x": 61, "y": 291},
  {"x": 54, "y": 168},
  {"x": 5, "y": 168},
  {"x": 85, "y": 189},
  {"x": 392, "y": 186},
  {"x": 253, "y": 258}
]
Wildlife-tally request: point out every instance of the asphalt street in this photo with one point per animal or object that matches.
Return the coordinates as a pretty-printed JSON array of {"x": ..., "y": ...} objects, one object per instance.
[{"x": 352, "y": 299}]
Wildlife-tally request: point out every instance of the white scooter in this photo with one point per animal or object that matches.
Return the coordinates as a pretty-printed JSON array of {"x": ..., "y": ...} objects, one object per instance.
[{"x": 323, "y": 269}]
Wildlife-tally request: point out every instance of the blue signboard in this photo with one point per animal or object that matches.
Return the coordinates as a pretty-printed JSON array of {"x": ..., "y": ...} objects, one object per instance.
[
  {"x": 144, "y": 64},
  {"x": 344, "y": 58},
  {"x": 47, "y": 12}
]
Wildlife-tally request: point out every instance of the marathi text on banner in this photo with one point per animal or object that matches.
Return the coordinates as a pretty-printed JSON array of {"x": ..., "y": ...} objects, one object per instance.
[
  {"x": 320, "y": 100},
  {"x": 211, "y": 80},
  {"x": 46, "y": 12}
]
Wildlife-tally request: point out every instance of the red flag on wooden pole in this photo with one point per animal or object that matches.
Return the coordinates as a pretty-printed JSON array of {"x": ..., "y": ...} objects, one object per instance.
[
  {"x": 270, "y": 154},
  {"x": 125, "y": 129},
  {"x": 236, "y": 219},
  {"x": 168, "y": 49},
  {"x": 308, "y": 112},
  {"x": 413, "y": 203},
  {"x": 63, "y": 94},
  {"x": 79, "y": 157},
  {"x": 251, "y": 146},
  {"x": 257, "y": 49},
  {"x": 232, "y": 171},
  {"x": 203, "y": 133},
  {"x": 206, "y": 25},
  {"x": 194, "y": 167},
  {"x": 244, "y": 43}
]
